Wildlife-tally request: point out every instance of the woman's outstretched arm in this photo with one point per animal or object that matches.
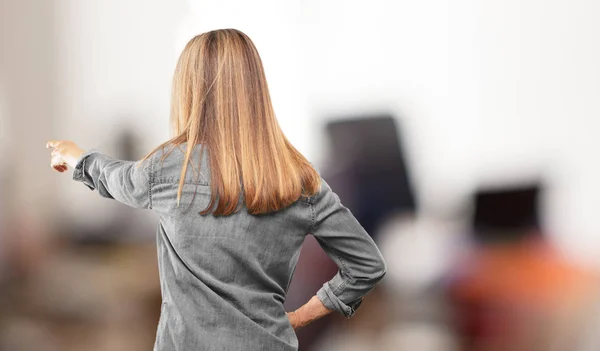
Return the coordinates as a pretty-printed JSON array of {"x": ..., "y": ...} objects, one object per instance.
[{"x": 125, "y": 181}]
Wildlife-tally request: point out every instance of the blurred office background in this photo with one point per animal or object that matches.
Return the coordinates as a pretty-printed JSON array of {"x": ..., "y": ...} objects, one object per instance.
[{"x": 462, "y": 134}]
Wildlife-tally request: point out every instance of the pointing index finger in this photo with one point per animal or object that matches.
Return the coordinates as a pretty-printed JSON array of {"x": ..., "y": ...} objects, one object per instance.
[{"x": 52, "y": 143}]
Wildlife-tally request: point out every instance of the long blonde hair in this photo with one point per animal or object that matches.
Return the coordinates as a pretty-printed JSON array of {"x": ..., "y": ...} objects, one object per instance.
[{"x": 220, "y": 100}]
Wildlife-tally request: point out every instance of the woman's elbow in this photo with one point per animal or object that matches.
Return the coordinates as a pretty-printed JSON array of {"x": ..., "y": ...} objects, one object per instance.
[
  {"x": 380, "y": 269},
  {"x": 376, "y": 271}
]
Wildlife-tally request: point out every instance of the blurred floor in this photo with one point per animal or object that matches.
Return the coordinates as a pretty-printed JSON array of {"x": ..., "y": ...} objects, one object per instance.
[{"x": 84, "y": 298}]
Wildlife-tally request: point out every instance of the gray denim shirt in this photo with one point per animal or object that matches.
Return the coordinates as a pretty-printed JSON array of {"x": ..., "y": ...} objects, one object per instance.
[{"x": 224, "y": 279}]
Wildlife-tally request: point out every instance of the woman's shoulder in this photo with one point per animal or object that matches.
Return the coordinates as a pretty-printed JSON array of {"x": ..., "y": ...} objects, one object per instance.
[{"x": 168, "y": 162}]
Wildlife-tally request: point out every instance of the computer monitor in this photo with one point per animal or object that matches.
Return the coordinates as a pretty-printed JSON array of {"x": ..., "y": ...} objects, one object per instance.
[
  {"x": 506, "y": 214},
  {"x": 368, "y": 168}
]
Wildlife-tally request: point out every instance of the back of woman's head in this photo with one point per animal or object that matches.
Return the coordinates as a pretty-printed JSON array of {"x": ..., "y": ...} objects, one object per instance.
[{"x": 220, "y": 100}]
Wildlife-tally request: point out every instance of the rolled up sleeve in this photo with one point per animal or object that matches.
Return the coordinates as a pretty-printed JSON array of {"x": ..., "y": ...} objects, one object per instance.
[
  {"x": 128, "y": 182},
  {"x": 361, "y": 265}
]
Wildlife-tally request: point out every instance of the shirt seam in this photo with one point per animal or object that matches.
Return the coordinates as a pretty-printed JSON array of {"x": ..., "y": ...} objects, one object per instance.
[
  {"x": 312, "y": 217},
  {"x": 172, "y": 180},
  {"x": 151, "y": 182}
]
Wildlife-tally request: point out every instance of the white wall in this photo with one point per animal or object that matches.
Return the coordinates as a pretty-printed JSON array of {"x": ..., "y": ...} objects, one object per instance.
[
  {"x": 115, "y": 61},
  {"x": 490, "y": 92}
]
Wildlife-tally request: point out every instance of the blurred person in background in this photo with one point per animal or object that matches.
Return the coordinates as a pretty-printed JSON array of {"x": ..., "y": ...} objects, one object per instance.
[
  {"x": 226, "y": 258},
  {"x": 512, "y": 289}
]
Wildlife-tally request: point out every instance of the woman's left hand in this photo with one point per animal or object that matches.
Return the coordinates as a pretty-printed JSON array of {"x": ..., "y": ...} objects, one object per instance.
[{"x": 64, "y": 153}]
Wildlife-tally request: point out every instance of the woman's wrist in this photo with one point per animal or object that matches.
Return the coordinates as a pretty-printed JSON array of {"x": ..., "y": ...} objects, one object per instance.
[
  {"x": 308, "y": 313},
  {"x": 74, "y": 155}
]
